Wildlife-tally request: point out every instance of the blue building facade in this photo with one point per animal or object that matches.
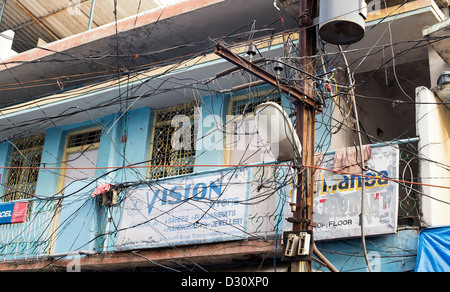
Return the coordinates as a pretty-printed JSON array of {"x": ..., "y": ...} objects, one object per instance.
[{"x": 121, "y": 149}]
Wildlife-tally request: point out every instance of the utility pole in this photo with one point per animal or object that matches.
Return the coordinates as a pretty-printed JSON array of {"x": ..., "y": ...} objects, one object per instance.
[
  {"x": 299, "y": 242},
  {"x": 303, "y": 215}
]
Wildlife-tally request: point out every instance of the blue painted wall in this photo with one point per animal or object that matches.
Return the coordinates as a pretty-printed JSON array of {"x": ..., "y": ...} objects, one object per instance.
[
  {"x": 110, "y": 144},
  {"x": 5, "y": 149},
  {"x": 126, "y": 141},
  {"x": 138, "y": 125},
  {"x": 210, "y": 140},
  {"x": 77, "y": 219},
  {"x": 386, "y": 253},
  {"x": 47, "y": 183},
  {"x": 323, "y": 128}
]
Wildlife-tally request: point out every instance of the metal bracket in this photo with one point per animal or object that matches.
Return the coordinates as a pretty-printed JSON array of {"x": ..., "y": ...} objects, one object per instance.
[
  {"x": 305, "y": 19},
  {"x": 302, "y": 220},
  {"x": 248, "y": 66}
]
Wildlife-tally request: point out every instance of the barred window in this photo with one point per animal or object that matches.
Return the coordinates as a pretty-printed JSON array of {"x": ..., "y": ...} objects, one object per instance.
[
  {"x": 21, "y": 181},
  {"x": 83, "y": 139},
  {"x": 248, "y": 105},
  {"x": 163, "y": 153}
]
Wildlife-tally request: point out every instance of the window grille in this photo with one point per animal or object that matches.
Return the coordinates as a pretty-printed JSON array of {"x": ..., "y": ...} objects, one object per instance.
[
  {"x": 163, "y": 152},
  {"x": 81, "y": 151},
  {"x": 21, "y": 182},
  {"x": 82, "y": 139},
  {"x": 248, "y": 105}
]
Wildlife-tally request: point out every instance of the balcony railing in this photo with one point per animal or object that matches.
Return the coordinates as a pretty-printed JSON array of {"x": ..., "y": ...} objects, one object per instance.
[{"x": 32, "y": 238}]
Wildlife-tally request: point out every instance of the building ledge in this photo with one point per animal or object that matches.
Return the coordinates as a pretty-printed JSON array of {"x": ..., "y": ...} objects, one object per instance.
[
  {"x": 434, "y": 32},
  {"x": 190, "y": 256},
  {"x": 148, "y": 40}
]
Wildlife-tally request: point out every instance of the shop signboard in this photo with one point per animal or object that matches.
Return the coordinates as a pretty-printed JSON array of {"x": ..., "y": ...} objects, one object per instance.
[
  {"x": 11, "y": 213},
  {"x": 191, "y": 209},
  {"x": 337, "y": 201}
]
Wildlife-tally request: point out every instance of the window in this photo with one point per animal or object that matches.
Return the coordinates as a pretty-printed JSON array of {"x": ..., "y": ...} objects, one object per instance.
[
  {"x": 81, "y": 152},
  {"x": 245, "y": 105},
  {"x": 83, "y": 139},
  {"x": 163, "y": 152},
  {"x": 21, "y": 182},
  {"x": 243, "y": 143}
]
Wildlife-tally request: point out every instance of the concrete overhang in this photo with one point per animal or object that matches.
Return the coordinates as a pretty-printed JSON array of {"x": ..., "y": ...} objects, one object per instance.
[
  {"x": 155, "y": 88},
  {"x": 394, "y": 31},
  {"x": 209, "y": 255},
  {"x": 143, "y": 41},
  {"x": 434, "y": 33}
]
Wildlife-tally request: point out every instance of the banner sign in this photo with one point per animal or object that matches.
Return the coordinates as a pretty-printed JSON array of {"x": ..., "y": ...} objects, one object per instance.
[
  {"x": 13, "y": 212},
  {"x": 337, "y": 201},
  {"x": 189, "y": 210}
]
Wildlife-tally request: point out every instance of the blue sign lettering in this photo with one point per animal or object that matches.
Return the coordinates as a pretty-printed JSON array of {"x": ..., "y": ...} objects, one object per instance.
[
  {"x": 152, "y": 203},
  {"x": 176, "y": 195},
  {"x": 354, "y": 182},
  {"x": 200, "y": 195}
]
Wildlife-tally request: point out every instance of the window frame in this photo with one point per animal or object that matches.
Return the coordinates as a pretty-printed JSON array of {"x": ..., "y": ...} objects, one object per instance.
[
  {"x": 23, "y": 196},
  {"x": 179, "y": 170},
  {"x": 71, "y": 150}
]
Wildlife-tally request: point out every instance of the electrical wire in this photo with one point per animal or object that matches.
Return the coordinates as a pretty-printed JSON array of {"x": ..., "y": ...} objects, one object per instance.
[
  {"x": 124, "y": 96},
  {"x": 363, "y": 237}
]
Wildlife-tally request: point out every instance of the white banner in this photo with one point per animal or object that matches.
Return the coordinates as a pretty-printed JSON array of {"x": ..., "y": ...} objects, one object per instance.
[
  {"x": 337, "y": 202},
  {"x": 188, "y": 210}
]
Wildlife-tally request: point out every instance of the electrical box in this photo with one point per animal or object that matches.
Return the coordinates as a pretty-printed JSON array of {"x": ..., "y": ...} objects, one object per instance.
[
  {"x": 342, "y": 22},
  {"x": 291, "y": 245},
  {"x": 304, "y": 242},
  {"x": 298, "y": 246},
  {"x": 110, "y": 198}
]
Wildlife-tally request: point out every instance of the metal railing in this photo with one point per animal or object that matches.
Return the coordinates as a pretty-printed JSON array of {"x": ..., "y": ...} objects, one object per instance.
[{"x": 32, "y": 238}]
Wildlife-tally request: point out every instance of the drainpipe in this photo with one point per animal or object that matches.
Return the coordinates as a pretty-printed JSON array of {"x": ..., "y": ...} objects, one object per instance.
[
  {"x": 3, "y": 9},
  {"x": 91, "y": 15}
]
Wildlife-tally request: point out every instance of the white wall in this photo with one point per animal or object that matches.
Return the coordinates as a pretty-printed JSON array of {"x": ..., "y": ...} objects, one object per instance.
[{"x": 433, "y": 128}]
